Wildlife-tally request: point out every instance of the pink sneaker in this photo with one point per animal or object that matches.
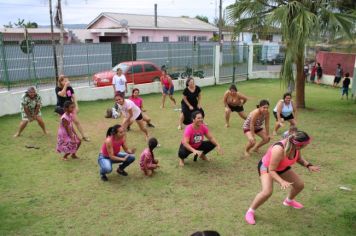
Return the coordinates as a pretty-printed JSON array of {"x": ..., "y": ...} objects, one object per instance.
[
  {"x": 293, "y": 204},
  {"x": 250, "y": 217}
]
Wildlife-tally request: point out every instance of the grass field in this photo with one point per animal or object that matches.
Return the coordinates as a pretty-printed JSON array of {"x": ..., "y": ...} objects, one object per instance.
[{"x": 42, "y": 195}]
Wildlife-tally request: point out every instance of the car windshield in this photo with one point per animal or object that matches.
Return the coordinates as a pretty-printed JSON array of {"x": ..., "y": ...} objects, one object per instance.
[{"x": 122, "y": 66}]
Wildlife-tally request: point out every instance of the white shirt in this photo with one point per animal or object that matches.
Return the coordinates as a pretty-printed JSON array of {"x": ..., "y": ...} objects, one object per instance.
[
  {"x": 130, "y": 105},
  {"x": 119, "y": 82}
]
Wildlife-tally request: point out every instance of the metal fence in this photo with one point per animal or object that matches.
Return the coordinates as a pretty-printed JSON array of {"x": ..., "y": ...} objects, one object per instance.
[
  {"x": 234, "y": 64},
  {"x": 268, "y": 57}
]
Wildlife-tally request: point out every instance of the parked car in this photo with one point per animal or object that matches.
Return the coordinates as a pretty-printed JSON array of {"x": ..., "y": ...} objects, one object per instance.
[
  {"x": 277, "y": 60},
  {"x": 137, "y": 72}
]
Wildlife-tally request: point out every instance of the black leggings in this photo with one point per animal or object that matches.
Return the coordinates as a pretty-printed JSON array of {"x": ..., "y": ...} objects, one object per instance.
[{"x": 205, "y": 146}]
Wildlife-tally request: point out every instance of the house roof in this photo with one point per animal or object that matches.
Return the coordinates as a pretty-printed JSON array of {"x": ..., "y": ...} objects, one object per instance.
[
  {"x": 136, "y": 21},
  {"x": 30, "y": 30}
]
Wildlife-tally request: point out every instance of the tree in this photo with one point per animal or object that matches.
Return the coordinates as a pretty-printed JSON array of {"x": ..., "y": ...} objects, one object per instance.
[
  {"x": 30, "y": 24},
  {"x": 298, "y": 21},
  {"x": 9, "y": 25},
  {"x": 21, "y": 24},
  {"x": 203, "y": 18}
]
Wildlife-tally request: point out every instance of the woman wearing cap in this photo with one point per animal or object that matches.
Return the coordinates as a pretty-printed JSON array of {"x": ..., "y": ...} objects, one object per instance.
[
  {"x": 276, "y": 166},
  {"x": 31, "y": 110}
]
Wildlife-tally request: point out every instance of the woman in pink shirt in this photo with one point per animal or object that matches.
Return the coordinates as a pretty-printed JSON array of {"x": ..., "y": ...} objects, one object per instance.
[
  {"x": 276, "y": 166},
  {"x": 135, "y": 97},
  {"x": 110, "y": 152},
  {"x": 193, "y": 140},
  {"x": 167, "y": 88}
]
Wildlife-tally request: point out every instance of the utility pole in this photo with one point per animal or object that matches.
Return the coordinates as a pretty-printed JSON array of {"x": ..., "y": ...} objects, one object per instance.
[
  {"x": 220, "y": 24},
  {"x": 53, "y": 43},
  {"x": 61, "y": 37}
]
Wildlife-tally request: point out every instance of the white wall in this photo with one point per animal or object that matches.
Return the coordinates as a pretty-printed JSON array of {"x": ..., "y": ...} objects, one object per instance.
[{"x": 10, "y": 101}]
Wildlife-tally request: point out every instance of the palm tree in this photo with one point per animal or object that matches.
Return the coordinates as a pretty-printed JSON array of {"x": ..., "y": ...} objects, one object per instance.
[{"x": 299, "y": 21}]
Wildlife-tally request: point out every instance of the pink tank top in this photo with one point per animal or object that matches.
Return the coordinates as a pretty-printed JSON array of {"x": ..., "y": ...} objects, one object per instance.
[
  {"x": 284, "y": 163},
  {"x": 116, "y": 144},
  {"x": 165, "y": 82}
]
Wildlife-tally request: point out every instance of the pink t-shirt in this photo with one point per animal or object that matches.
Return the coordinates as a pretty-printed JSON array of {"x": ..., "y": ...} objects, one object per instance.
[
  {"x": 196, "y": 136},
  {"x": 138, "y": 101},
  {"x": 116, "y": 145},
  {"x": 130, "y": 105},
  {"x": 147, "y": 157},
  {"x": 266, "y": 159}
]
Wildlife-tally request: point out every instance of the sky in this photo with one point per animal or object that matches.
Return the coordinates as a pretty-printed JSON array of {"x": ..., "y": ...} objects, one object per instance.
[{"x": 84, "y": 11}]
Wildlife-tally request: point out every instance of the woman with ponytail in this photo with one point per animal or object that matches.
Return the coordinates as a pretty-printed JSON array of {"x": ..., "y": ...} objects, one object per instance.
[
  {"x": 148, "y": 163},
  {"x": 110, "y": 152},
  {"x": 253, "y": 126},
  {"x": 276, "y": 166}
]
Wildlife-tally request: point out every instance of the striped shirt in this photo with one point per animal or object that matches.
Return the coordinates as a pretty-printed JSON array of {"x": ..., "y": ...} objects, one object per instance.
[{"x": 258, "y": 124}]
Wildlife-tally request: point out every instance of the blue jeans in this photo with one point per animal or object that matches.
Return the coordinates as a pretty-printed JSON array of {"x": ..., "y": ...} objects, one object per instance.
[{"x": 106, "y": 163}]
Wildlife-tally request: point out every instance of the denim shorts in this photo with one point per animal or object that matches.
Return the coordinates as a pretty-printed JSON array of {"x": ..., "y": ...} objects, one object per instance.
[{"x": 168, "y": 91}]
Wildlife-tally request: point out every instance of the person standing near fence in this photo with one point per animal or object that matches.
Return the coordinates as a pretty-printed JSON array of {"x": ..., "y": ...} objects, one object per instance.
[
  {"x": 110, "y": 152},
  {"x": 234, "y": 101},
  {"x": 276, "y": 166},
  {"x": 167, "y": 88},
  {"x": 64, "y": 93},
  {"x": 338, "y": 75},
  {"x": 191, "y": 102},
  {"x": 119, "y": 83},
  {"x": 31, "y": 103},
  {"x": 319, "y": 73},
  {"x": 313, "y": 73},
  {"x": 345, "y": 86},
  {"x": 253, "y": 126}
]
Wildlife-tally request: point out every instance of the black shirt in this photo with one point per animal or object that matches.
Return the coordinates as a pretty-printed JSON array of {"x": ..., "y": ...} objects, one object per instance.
[
  {"x": 346, "y": 82},
  {"x": 192, "y": 97},
  {"x": 61, "y": 100}
]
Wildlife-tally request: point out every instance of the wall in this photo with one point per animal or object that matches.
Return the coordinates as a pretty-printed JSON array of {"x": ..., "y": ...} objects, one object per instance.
[
  {"x": 329, "y": 61},
  {"x": 157, "y": 35},
  {"x": 104, "y": 23},
  {"x": 10, "y": 101}
]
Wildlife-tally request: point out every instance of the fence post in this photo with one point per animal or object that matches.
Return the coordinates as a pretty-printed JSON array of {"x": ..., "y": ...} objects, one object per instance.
[
  {"x": 217, "y": 64},
  {"x": 4, "y": 62},
  {"x": 250, "y": 61},
  {"x": 87, "y": 51}
]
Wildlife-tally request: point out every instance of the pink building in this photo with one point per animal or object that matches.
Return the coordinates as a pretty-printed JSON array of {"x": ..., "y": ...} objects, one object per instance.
[{"x": 132, "y": 28}]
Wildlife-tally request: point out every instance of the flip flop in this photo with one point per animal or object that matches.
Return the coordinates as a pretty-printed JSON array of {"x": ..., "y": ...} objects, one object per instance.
[
  {"x": 86, "y": 139},
  {"x": 32, "y": 146},
  {"x": 195, "y": 157}
]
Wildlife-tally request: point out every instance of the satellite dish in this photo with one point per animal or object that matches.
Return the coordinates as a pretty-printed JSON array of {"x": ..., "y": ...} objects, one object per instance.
[{"x": 124, "y": 23}]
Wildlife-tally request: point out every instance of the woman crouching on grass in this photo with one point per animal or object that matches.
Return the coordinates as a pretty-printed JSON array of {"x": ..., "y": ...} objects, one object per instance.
[
  {"x": 110, "y": 152},
  {"x": 253, "y": 126},
  {"x": 67, "y": 139},
  {"x": 193, "y": 140},
  {"x": 276, "y": 166}
]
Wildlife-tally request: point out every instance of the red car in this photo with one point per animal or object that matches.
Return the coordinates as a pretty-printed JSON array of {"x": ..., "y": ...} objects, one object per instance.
[{"x": 137, "y": 72}]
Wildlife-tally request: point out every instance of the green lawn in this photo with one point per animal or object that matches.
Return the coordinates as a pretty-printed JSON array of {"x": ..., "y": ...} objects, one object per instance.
[{"x": 42, "y": 195}]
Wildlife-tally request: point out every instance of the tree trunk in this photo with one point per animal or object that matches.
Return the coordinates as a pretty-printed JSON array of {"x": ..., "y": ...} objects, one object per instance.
[
  {"x": 61, "y": 41},
  {"x": 300, "y": 82}
]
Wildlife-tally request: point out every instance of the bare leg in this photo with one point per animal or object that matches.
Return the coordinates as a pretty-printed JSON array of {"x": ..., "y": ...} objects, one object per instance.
[
  {"x": 276, "y": 127},
  {"x": 22, "y": 126},
  {"x": 227, "y": 117},
  {"x": 172, "y": 99},
  {"x": 181, "y": 119},
  {"x": 41, "y": 124},
  {"x": 242, "y": 115},
  {"x": 65, "y": 157},
  {"x": 181, "y": 162},
  {"x": 163, "y": 99},
  {"x": 265, "y": 139},
  {"x": 297, "y": 185},
  {"x": 249, "y": 144},
  {"x": 142, "y": 128},
  {"x": 74, "y": 155},
  {"x": 266, "y": 192}
]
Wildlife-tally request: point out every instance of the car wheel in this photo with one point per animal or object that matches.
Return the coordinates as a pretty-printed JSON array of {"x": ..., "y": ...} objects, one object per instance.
[
  {"x": 183, "y": 75},
  {"x": 156, "y": 79}
]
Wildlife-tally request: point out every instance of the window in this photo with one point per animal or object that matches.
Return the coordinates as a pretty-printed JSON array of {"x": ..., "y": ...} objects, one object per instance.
[
  {"x": 135, "y": 69},
  {"x": 183, "y": 38},
  {"x": 145, "y": 39},
  {"x": 202, "y": 38},
  {"x": 165, "y": 39},
  {"x": 88, "y": 40},
  {"x": 149, "y": 67}
]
